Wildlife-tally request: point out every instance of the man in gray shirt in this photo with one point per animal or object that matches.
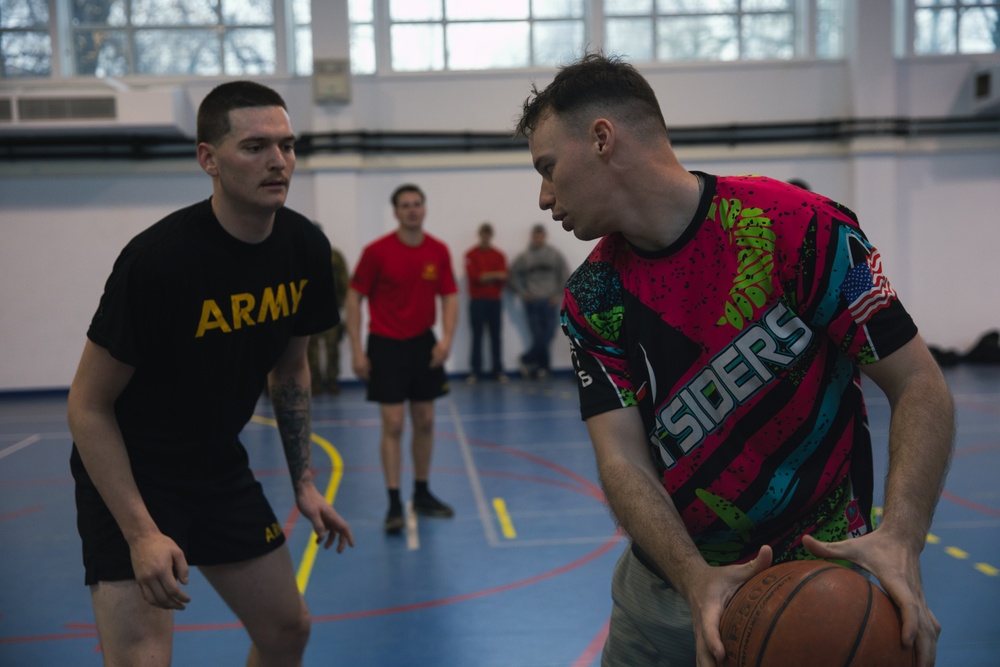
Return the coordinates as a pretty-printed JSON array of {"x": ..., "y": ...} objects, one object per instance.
[{"x": 538, "y": 276}]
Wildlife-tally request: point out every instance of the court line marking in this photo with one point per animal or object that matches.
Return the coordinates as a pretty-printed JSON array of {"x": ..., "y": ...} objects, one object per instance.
[
  {"x": 412, "y": 534},
  {"x": 955, "y": 552},
  {"x": 506, "y": 525},
  {"x": 18, "y": 446},
  {"x": 594, "y": 648},
  {"x": 961, "y": 554},
  {"x": 477, "y": 486},
  {"x": 336, "y": 473}
]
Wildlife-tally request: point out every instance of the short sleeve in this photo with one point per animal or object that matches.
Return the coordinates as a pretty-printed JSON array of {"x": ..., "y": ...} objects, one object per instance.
[
  {"x": 592, "y": 318},
  {"x": 852, "y": 298}
]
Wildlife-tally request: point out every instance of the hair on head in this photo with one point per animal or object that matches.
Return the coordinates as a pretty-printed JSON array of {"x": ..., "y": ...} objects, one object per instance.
[
  {"x": 213, "y": 112},
  {"x": 595, "y": 83},
  {"x": 406, "y": 187}
]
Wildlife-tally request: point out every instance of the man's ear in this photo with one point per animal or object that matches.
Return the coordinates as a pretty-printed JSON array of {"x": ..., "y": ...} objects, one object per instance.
[
  {"x": 603, "y": 136},
  {"x": 206, "y": 158}
]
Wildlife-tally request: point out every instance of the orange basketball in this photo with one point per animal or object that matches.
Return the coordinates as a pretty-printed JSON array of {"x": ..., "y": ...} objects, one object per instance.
[{"x": 813, "y": 613}]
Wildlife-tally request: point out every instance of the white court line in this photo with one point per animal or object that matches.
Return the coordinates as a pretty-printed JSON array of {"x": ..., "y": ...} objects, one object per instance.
[
  {"x": 477, "y": 487},
  {"x": 30, "y": 440},
  {"x": 412, "y": 534}
]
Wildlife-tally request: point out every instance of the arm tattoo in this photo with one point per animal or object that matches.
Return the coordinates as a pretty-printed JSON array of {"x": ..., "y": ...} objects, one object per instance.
[{"x": 292, "y": 412}]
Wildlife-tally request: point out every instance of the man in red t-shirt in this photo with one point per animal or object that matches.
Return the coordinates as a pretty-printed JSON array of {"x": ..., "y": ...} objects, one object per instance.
[
  {"x": 402, "y": 274},
  {"x": 486, "y": 268}
]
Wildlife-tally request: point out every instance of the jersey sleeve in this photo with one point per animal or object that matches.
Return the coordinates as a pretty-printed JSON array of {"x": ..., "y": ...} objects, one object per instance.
[
  {"x": 448, "y": 284},
  {"x": 122, "y": 322},
  {"x": 473, "y": 269},
  {"x": 848, "y": 292},
  {"x": 319, "y": 310},
  {"x": 592, "y": 318},
  {"x": 364, "y": 273}
]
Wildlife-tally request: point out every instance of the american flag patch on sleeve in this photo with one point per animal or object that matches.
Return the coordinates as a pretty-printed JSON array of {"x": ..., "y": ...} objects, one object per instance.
[{"x": 866, "y": 288}]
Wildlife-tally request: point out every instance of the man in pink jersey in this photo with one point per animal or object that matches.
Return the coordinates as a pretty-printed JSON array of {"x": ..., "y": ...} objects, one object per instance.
[
  {"x": 401, "y": 275},
  {"x": 719, "y": 329}
]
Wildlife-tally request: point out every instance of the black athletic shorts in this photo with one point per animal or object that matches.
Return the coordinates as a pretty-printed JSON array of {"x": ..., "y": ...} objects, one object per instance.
[
  {"x": 218, "y": 520},
  {"x": 401, "y": 370}
]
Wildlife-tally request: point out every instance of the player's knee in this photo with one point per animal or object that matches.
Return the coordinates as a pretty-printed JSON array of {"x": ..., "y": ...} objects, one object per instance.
[
  {"x": 286, "y": 639},
  {"x": 423, "y": 419},
  {"x": 392, "y": 429}
]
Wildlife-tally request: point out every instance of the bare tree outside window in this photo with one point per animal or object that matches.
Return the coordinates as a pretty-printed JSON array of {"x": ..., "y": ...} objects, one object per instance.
[
  {"x": 956, "y": 27},
  {"x": 25, "y": 45}
]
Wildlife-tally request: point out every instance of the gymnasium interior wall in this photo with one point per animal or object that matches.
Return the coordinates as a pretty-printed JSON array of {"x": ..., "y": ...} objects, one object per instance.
[{"x": 929, "y": 202}]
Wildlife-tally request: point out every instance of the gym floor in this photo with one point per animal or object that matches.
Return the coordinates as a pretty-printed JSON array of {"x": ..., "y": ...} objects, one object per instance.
[{"x": 519, "y": 578}]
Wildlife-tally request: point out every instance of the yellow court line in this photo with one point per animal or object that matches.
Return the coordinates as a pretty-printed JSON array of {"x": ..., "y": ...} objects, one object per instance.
[
  {"x": 337, "y": 472},
  {"x": 959, "y": 554},
  {"x": 506, "y": 526},
  {"x": 955, "y": 552},
  {"x": 987, "y": 569}
]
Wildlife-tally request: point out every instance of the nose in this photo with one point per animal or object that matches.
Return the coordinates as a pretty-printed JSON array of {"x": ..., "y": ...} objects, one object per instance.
[
  {"x": 278, "y": 160},
  {"x": 546, "y": 197}
]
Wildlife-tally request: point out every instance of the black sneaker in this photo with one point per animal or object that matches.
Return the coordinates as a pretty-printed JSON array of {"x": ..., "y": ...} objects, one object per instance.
[
  {"x": 394, "y": 520},
  {"x": 428, "y": 505}
]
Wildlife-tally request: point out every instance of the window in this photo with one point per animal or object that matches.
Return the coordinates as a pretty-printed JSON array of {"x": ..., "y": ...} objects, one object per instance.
[
  {"x": 25, "y": 45},
  {"x": 362, "y": 19},
  {"x": 302, "y": 46},
  {"x": 432, "y": 35},
  {"x": 115, "y": 38},
  {"x": 687, "y": 30},
  {"x": 955, "y": 26}
]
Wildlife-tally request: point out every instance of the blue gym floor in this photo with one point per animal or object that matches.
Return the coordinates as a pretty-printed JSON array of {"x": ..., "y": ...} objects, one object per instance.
[{"x": 519, "y": 578}]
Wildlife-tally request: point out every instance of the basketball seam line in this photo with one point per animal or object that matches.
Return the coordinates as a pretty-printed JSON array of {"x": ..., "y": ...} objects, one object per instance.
[
  {"x": 864, "y": 625},
  {"x": 781, "y": 610}
]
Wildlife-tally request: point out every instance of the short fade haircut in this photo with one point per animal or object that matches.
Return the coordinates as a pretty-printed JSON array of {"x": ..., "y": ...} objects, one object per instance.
[
  {"x": 213, "y": 113},
  {"x": 596, "y": 85},
  {"x": 406, "y": 187}
]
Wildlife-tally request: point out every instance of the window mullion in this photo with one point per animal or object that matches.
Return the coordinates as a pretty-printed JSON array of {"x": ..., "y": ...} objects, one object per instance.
[
  {"x": 383, "y": 36},
  {"x": 61, "y": 39},
  {"x": 806, "y": 25},
  {"x": 284, "y": 41}
]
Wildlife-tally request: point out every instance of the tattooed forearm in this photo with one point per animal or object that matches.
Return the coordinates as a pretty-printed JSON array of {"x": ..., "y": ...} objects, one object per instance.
[{"x": 292, "y": 412}]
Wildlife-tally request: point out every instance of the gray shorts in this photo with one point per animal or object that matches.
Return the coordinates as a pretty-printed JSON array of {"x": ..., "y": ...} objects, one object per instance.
[{"x": 650, "y": 621}]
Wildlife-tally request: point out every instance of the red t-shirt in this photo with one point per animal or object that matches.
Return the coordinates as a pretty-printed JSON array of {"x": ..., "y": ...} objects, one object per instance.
[
  {"x": 484, "y": 260},
  {"x": 401, "y": 283}
]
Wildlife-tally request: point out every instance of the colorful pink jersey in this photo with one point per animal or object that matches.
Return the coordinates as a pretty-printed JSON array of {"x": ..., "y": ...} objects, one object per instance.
[{"x": 740, "y": 345}]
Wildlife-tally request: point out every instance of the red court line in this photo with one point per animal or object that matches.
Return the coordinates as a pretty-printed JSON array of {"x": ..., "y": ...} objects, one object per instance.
[
  {"x": 594, "y": 648},
  {"x": 600, "y": 551},
  {"x": 86, "y": 634},
  {"x": 969, "y": 504},
  {"x": 590, "y": 488},
  {"x": 977, "y": 449},
  {"x": 582, "y": 485},
  {"x": 21, "y": 512}
]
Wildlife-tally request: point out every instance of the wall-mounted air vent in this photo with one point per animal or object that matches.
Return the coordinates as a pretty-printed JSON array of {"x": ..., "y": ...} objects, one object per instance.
[
  {"x": 162, "y": 110},
  {"x": 986, "y": 90},
  {"x": 66, "y": 108}
]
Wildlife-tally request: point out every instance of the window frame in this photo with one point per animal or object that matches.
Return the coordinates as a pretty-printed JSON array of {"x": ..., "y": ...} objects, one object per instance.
[
  {"x": 63, "y": 57},
  {"x": 905, "y": 23},
  {"x": 804, "y": 43},
  {"x": 382, "y": 25}
]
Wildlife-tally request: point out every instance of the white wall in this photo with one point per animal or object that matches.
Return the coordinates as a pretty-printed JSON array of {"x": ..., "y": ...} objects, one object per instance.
[{"x": 929, "y": 204}]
